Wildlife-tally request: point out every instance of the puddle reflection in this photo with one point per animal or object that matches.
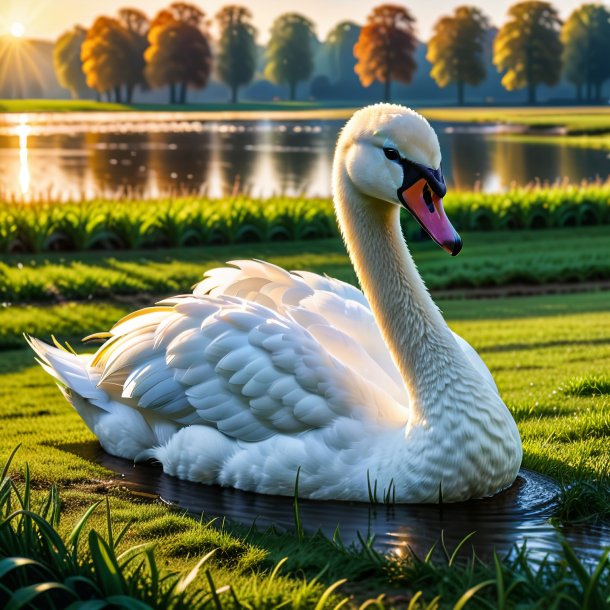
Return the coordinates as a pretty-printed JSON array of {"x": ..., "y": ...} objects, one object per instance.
[{"x": 516, "y": 516}]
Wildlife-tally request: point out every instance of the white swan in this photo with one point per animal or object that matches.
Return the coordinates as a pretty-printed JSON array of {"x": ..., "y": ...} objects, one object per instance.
[{"x": 261, "y": 372}]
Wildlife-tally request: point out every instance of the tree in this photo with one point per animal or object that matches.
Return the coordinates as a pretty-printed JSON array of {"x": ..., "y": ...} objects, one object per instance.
[
  {"x": 105, "y": 54},
  {"x": 586, "y": 51},
  {"x": 528, "y": 49},
  {"x": 67, "y": 62},
  {"x": 386, "y": 47},
  {"x": 136, "y": 23},
  {"x": 236, "y": 58},
  {"x": 179, "y": 54},
  {"x": 289, "y": 52},
  {"x": 457, "y": 49},
  {"x": 340, "y": 49}
]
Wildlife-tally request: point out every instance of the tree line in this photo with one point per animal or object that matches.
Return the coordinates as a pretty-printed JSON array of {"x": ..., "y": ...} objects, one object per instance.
[{"x": 175, "y": 49}]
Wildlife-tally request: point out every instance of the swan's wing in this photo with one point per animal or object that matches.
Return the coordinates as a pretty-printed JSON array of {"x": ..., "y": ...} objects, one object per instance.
[
  {"x": 476, "y": 361},
  {"x": 337, "y": 314},
  {"x": 238, "y": 366}
]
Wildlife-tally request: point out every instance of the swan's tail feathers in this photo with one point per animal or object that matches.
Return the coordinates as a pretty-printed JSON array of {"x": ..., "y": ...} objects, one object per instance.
[
  {"x": 122, "y": 430},
  {"x": 70, "y": 370}
]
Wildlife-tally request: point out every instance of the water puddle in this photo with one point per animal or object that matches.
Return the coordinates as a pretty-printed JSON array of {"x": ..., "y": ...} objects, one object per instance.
[{"x": 519, "y": 515}]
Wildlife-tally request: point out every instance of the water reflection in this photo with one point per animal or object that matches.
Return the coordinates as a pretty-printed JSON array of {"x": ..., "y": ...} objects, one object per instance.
[
  {"x": 516, "y": 516},
  {"x": 258, "y": 157},
  {"x": 24, "y": 169}
]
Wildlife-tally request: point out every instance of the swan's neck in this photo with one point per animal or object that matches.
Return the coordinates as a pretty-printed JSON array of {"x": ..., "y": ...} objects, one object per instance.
[{"x": 421, "y": 344}]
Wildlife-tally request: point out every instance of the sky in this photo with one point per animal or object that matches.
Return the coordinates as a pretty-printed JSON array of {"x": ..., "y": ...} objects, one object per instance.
[{"x": 47, "y": 19}]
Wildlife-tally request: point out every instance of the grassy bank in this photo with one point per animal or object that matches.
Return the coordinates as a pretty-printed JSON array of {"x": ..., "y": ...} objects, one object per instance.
[
  {"x": 495, "y": 259},
  {"x": 550, "y": 359},
  {"x": 573, "y": 120}
]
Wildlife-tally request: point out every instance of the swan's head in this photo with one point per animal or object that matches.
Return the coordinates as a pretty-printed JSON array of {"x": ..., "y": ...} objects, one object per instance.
[{"x": 392, "y": 155}]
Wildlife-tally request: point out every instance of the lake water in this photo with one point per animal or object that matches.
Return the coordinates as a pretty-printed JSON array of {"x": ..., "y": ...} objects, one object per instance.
[{"x": 158, "y": 153}]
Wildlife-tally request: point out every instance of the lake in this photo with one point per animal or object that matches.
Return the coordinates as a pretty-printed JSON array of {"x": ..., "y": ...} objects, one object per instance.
[{"x": 153, "y": 154}]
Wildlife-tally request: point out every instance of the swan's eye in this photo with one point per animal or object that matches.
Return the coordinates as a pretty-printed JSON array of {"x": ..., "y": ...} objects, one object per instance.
[{"x": 391, "y": 154}]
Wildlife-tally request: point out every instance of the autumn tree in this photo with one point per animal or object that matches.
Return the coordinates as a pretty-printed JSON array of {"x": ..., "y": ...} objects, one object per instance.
[
  {"x": 236, "y": 58},
  {"x": 528, "y": 49},
  {"x": 179, "y": 54},
  {"x": 105, "y": 54},
  {"x": 136, "y": 23},
  {"x": 457, "y": 49},
  {"x": 386, "y": 47},
  {"x": 67, "y": 62},
  {"x": 586, "y": 49},
  {"x": 289, "y": 52}
]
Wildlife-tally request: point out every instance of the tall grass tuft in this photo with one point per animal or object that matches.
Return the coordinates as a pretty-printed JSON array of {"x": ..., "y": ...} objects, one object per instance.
[{"x": 49, "y": 225}]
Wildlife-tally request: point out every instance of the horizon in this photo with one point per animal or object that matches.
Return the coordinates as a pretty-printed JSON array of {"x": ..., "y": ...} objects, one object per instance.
[{"x": 45, "y": 20}]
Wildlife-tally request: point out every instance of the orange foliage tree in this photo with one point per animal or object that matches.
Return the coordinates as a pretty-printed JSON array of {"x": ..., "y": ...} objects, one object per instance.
[
  {"x": 386, "y": 47},
  {"x": 105, "y": 54},
  {"x": 457, "y": 49},
  {"x": 179, "y": 54}
]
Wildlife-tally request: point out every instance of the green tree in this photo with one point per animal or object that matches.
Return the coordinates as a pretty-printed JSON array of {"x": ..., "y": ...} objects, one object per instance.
[
  {"x": 179, "y": 54},
  {"x": 386, "y": 47},
  {"x": 528, "y": 49},
  {"x": 586, "y": 49},
  {"x": 236, "y": 57},
  {"x": 105, "y": 54},
  {"x": 136, "y": 23},
  {"x": 67, "y": 62},
  {"x": 339, "y": 46},
  {"x": 289, "y": 52},
  {"x": 457, "y": 49}
]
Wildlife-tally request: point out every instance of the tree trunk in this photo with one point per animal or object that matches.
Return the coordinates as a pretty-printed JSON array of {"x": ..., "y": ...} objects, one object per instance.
[
  {"x": 234, "y": 90},
  {"x": 98, "y": 96},
  {"x": 117, "y": 94},
  {"x": 293, "y": 90},
  {"x": 531, "y": 93},
  {"x": 387, "y": 90},
  {"x": 598, "y": 91},
  {"x": 183, "y": 93},
  {"x": 460, "y": 92},
  {"x": 589, "y": 90},
  {"x": 129, "y": 92},
  {"x": 172, "y": 93},
  {"x": 579, "y": 92}
]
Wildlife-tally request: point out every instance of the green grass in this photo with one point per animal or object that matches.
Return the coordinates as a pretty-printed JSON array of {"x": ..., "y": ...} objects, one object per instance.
[
  {"x": 574, "y": 120},
  {"x": 60, "y": 106},
  {"x": 593, "y": 141},
  {"x": 44, "y": 226},
  {"x": 546, "y": 353},
  {"x": 493, "y": 259},
  {"x": 44, "y": 105}
]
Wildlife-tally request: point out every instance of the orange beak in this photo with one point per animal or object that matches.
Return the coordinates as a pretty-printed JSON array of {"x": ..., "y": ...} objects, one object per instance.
[{"x": 427, "y": 208}]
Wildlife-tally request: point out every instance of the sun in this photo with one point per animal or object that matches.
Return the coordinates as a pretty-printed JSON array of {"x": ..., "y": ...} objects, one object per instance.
[{"x": 17, "y": 29}]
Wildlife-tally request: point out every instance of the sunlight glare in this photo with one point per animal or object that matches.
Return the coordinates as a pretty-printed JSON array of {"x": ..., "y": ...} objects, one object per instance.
[{"x": 17, "y": 29}]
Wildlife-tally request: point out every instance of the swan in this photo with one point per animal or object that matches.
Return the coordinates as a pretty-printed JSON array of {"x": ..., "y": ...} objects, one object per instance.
[{"x": 261, "y": 373}]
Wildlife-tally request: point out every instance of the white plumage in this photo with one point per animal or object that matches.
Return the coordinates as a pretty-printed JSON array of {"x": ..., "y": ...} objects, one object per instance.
[{"x": 260, "y": 372}]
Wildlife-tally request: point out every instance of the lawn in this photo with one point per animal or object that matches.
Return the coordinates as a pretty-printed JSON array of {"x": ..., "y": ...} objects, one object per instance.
[
  {"x": 550, "y": 356},
  {"x": 516, "y": 260}
]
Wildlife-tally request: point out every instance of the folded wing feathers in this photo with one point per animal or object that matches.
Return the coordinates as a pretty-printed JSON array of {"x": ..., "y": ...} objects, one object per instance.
[{"x": 242, "y": 359}]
